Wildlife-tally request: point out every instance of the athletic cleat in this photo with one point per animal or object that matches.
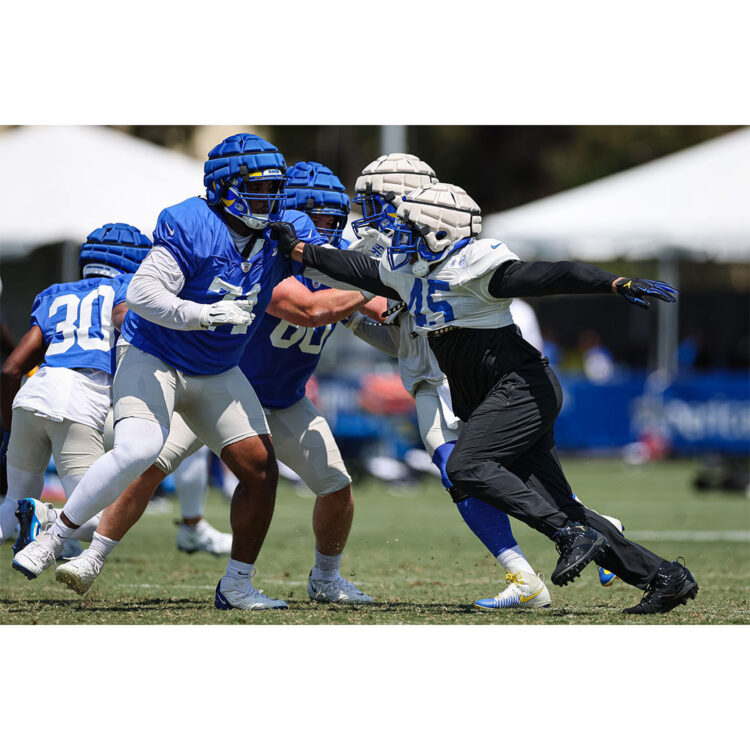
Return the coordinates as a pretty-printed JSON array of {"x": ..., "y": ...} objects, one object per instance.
[
  {"x": 337, "y": 591},
  {"x": 246, "y": 597},
  {"x": 578, "y": 546},
  {"x": 672, "y": 585},
  {"x": 606, "y": 577},
  {"x": 203, "y": 538},
  {"x": 525, "y": 590},
  {"x": 38, "y": 555},
  {"x": 79, "y": 573},
  {"x": 34, "y": 517}
]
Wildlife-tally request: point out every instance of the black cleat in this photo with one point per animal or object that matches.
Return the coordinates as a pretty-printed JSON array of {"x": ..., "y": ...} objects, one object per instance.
[
  {"x": 673, "y": 584},
  {"x": 578, "y": 546}
]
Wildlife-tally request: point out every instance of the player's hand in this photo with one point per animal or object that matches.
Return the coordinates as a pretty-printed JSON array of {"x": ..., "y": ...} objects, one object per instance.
[
  {"x": 285, "y": 235},
  {"x": 371, "y": 242},
  {"x": 636, "y": 291},
  {"x": 235, "y": 312},
  {"x": 4, "y": 462}
]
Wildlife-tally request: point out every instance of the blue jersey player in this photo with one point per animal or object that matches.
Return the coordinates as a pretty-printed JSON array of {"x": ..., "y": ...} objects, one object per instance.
[
  {"x": 195, "y": 303},
  {"x": 61, "y": 410},
  {"x": 278, "y": 362}
]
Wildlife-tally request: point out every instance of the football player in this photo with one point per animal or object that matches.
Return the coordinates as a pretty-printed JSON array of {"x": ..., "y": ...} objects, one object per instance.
[
  {"x": 458, "y": 290},
  {"x": 283, "y": 355},
  {"x": 61, "y": 410},
  {"x": 194, "y": 304}
]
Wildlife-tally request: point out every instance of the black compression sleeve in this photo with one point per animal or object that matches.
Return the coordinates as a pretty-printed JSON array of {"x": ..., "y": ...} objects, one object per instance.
[
  {"x": 352, "y": 268},
  {"x": 540, "y": 278}
]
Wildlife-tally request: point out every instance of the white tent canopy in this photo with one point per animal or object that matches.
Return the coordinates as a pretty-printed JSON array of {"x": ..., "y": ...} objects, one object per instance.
[
  {"x": 60, "y": 183},
  {"x": 694, "y": 202}
]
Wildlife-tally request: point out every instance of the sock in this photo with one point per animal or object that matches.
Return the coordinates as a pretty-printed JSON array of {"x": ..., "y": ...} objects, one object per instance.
[
  {"x": 513, "y": 560},
  {"x": 101, "y": 546},
  {"x": 238, "y": 572},
  {"x": 60, "y": 530},
  {"x": 8, "y": 520},
  {"x": 85, "y": 531},
  {"x": 326, "y": 567}
]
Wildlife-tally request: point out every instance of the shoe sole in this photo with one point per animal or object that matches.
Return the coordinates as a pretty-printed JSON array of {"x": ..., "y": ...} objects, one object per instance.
[
  {"x": 493, "y": 609},
  {"x": 688, "y": 591},
  {"x": 574, "y": 570},
  {"x": 25, "y": 515},
  {"x": 23, "y": 570},
  {"x": 72, "y": 581}
]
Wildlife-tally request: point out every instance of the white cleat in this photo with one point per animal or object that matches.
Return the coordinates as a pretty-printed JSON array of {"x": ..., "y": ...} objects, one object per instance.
[
  {"x": 337, "y": 591},
  {"x": 38, "y": 555},
  {"x": 79, "y": 573},
  {"x": 230, "y": 596},
  {"x": 525, "y": 590},
  {"x": 203, "y": 538}
]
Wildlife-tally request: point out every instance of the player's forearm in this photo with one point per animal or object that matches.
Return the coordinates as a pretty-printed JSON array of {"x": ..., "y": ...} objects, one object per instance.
[
  {"x": 541, "y": 278},
  {"x": 152, "y": 294},
  {"x": 321, "y": 308},
  {"x": 352, "y": 268}
]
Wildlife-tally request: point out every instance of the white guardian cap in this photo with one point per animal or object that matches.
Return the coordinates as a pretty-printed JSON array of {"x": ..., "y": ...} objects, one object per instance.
[
  {"x": 382, "y": 183},
  {"x": 434, "y": 221}
]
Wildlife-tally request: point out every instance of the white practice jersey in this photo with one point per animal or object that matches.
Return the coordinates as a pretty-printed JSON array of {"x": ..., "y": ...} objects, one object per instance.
[{"x": 456, "y": 292}]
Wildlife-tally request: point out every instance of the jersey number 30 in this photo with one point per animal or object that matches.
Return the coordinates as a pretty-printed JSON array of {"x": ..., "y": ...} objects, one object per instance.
[{"x": 82, "y": 331}]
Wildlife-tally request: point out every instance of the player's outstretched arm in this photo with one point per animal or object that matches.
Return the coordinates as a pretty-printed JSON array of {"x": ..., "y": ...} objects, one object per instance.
[
  {"x": 352, "y": 268},
  {"x": 295, "y": 303},
  {"x": 540, "y": 278}
]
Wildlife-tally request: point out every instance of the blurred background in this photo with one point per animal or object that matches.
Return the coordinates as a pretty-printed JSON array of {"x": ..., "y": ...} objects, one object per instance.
[{"x": 666, "y": 202}]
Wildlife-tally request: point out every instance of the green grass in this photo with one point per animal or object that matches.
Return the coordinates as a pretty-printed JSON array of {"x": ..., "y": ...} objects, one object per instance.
[{"x": 415, "y": 556}]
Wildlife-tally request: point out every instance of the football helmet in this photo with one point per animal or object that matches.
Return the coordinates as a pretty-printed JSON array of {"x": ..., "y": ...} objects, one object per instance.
[
  {"x": 382, "y": 183},
  {"x": 314, "y": 189},
  {"x": 433, "y": 222},
  {"x": 113, "y": 249},
  {"x": 246, "y": 175}
]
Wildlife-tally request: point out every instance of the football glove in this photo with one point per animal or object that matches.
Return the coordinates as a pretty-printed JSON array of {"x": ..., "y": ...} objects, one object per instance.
[
  {"x": 235, "y": 312},
  {"x": 371, "y": 242},
  {"x": 636, "y": 290},
  {"x": 4, "y": 463},
  {"x": 285, "y": 235}
]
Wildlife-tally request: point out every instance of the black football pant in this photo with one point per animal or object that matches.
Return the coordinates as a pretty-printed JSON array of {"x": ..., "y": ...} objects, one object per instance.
[{"x": 506, "y": 456}]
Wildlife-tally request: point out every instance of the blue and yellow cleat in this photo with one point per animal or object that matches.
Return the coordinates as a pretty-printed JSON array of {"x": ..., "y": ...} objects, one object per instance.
[
  {"x": 525, "y": 591},
  {"x": 34, "y": 517}
]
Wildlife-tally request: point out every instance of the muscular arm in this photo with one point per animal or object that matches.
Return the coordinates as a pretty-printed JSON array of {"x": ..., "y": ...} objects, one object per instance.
[
  {"x": 375, "y": 308},
  {"x": 27, "y": 355},
  {"x": 352, "y": 268},
  {"x": 519, "y": 279},
  {"x": 118, "y": 315},
  {"x": 294, "y": 302}
]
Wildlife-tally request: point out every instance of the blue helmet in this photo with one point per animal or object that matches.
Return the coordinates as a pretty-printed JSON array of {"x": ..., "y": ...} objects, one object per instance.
[
  {"x": 233, "y": 173},
  {"x": 317, "y": 191},
  {"x": 113, "y": 249}
]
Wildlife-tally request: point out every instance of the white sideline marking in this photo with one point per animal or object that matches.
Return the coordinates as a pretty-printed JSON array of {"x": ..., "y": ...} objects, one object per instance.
[{"x": 688, "y": 536}]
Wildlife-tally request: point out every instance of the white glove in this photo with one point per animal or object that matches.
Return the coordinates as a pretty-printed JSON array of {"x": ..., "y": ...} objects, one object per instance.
[
  {"x": 236, "y": 313},
  {"x": 371, "y": 243}
]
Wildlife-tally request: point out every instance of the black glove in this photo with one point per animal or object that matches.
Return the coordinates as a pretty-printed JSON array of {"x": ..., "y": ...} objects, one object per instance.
[
  {"x": 4, "y": 463},
  {"x": 285, "y": 235},
  {"x": 634, "y": 291}
]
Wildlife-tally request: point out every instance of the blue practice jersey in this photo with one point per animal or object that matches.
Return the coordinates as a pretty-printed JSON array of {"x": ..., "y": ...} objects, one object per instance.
[
  {"x": 194, "y": 233},
  {"x": 76, "y": 322},
  {"x": 282, "y": 357}
]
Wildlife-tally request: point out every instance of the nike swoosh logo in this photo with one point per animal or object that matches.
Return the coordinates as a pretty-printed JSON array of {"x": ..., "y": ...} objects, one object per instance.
[
  {"x": 169, "y": 229},
  {"x": 529, "y": 598},
  {"x": 494, "y": 247}
]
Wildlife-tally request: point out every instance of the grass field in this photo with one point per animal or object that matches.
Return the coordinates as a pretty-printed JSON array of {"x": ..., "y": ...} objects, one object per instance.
[{"x": 414, "y": 555}]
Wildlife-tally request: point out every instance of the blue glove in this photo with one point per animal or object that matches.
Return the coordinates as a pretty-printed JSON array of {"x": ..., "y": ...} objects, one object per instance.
[
  {"x": 634, "y": 291},
  {"x": 4, "y": 463}
]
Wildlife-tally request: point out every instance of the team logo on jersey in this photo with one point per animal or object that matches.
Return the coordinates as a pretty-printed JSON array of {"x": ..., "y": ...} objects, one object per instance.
[
  {"x": 316, "y": 285},
  {"x": 246, "y": 266}
]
